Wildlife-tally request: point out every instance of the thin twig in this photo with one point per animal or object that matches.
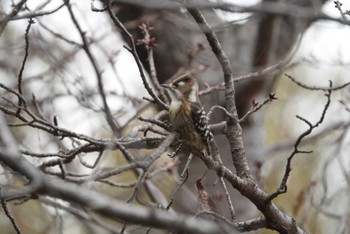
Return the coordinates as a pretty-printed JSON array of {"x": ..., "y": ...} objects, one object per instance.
[
  {"x": 8, "y": 214},
  {"x": 109, "y": 117},
  {"x": 4, "y": 20},
  {"x": 283, "y": 185},
  {"x": 26, "y": 53},
  {"x": 133, "y": 51},
  {"x": 155, "y": 122},
  {"x": 213, "y": 108},
  {"x": 278, "y": 66},
  {"x": 228, "y": 198},
  {"x": 183, "y": 178},
  {"x": 150, "y": 42},
  {"x": 36, "y": 14},
  {"x": 258, "y": 106},
  {"x": 338, "y": 5},
  {"x": 316, "y": 88}
]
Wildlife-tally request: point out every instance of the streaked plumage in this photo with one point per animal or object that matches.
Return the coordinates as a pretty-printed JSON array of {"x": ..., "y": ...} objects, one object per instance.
[{"x": 187, "y": 114}]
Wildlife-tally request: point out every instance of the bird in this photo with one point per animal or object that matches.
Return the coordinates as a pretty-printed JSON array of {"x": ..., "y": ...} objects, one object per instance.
[{"x": 187, "y": 114}]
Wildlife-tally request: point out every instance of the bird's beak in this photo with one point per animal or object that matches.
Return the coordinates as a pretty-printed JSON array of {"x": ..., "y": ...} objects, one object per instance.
[{"x": 166, "y": 86}]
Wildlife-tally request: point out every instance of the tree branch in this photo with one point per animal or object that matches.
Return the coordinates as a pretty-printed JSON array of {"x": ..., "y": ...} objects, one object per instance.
[
  {"x": 101, "y": 204},
  {"x": 234, "y": 130}
]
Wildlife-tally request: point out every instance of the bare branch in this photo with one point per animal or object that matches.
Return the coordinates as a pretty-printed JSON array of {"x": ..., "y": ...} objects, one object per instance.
[
  {"x": 229, "y": 201},
  {"x": 36, "y": 14},
  {"x": 343, "y": 14},
  {"x": 20, "y": 75},
  {"x": 234, "y": 130},
  {"x": 109, "y": 117},
  {"x": 283, "y": 185},
  {"x": 40, "y": 184},
  {"x": 150, "y": 42},
  {"x": 257, "y": 106},
  {"x": 316, "y": 88},
  {"x": 16, "y": 8},
  {"x": 133, "y": 51},
  {"x": 8, "y": 214}
]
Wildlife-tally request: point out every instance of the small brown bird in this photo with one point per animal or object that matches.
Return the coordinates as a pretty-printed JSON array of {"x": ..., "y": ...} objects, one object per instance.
[{"x": 187, "y": 114}]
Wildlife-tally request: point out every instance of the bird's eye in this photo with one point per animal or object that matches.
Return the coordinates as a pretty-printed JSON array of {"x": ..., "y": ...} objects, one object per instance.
[{"x": 188, "y": 79}]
